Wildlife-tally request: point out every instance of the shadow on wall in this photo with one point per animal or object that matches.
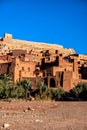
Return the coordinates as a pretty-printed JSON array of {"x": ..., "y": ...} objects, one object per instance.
[{"x": 52, "y": 83}]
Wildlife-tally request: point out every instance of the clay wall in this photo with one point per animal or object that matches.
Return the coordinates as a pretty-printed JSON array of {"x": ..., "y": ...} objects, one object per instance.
[
  {"x": 57, "y": 69},
  {"x": 22, "y": 69},
  {"x": 32, "y": 58},
  {"x": 27, "y": 69},
  {"x": 76, "y": 81},
  {"x": 67, "y": 80},
  {"x": 19, "y": 52},
  {"x": 3, "y": 68},
  {"x": 7, "y": 37},
  {"x": 4, "y": 57},
  {"x": 36, "y": 65},
  {"x": 82, "y": 57},
  {"x": 67, "y": 65},
  {"x": 50, "y": 59},
  {"x": 48, "y": 72},
  {"x": 34, "y": 81},
  {"x": 75, "y": 69}
]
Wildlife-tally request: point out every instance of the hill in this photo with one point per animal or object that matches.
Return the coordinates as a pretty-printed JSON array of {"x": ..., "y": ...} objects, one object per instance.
[{"x": 8, "y": 44}]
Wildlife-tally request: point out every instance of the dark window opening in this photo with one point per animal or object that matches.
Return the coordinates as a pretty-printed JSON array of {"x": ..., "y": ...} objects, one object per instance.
[
  {"x": 48, "y": 58},
  {"x": 28, "y": 68},
  {"x": 46, "y": 81},
  {"x": 60, "y": 54},
  {"x": 52, "y": 83},
  {"x": 61, "y": 79},
  {"x": 22, "y": 68},
  {"x": 56, "y": 51}
]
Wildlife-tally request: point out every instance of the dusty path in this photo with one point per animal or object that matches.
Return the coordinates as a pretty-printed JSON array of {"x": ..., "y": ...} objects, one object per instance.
[{"x": 43, "y": 115}]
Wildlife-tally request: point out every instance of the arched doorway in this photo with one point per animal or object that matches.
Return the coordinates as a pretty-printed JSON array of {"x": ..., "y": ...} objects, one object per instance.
[{"x": 52, "y": 83}]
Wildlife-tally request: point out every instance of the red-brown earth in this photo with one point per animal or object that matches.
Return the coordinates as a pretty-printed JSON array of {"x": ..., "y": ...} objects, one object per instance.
[{"x": 43, "y": 115}]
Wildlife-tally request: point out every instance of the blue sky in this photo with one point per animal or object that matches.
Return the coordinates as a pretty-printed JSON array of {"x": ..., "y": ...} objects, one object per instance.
[{"x": 52, "y": 21}]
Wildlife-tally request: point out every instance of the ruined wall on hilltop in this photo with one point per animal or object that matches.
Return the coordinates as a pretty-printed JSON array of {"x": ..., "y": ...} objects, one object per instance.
[{"x": 11, "y": 44}]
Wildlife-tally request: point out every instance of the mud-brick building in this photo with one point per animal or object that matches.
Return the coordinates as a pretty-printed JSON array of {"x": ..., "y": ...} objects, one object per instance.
[
  {"x": 5, "y": 62},
  {"x": 20, "y": 65},
  {"x": 64, "y": 72},
  {"x": 49, "y": 66}
]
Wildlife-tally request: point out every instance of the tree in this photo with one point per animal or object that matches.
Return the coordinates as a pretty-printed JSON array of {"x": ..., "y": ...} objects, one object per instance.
[
  {"x": 27, "y": 86},
  {"x": 40, "y": 86},
  {"x": 42, "y": 90}
]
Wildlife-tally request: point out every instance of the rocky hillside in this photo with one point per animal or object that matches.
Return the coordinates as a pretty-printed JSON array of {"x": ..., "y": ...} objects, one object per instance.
[{"x": 7, "y": 44}]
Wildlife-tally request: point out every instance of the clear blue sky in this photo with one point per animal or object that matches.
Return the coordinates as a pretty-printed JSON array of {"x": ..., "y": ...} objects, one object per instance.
[{"x": 53, "y": 21}]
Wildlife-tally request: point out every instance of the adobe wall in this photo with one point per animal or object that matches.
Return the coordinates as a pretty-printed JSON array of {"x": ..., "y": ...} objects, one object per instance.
[
  {"x": 22, "y": 69},
  {"x": 57, "y": 69},
  {"x": 17, "y": 53},
  {"x": 34, "y": 81},
  {"x": 47, "y": 72},
  {"x": 67, "y": 80},
  {"x": 75, "y": 68},
  {"x": 64, "y": 72},
  {"x": 4, "y": 57},
  {"x": 7, "y": 37},
  {"x": 33, "y": 58},
  {"x": 3, "y": 68},
  {"x": 27, "y": 69},
  {"x": 84, "y": 57}
]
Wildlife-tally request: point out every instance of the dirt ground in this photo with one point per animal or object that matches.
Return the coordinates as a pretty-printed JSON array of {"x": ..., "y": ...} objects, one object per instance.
[{"x": 43, "y": 115}]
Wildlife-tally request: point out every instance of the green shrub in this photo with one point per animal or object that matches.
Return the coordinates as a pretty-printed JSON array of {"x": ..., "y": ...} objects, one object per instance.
[
  {"x": 27, "y": 87},
  {"x": 42, "y": 91},
  {"x": 37, "y": 96},
  {"x": 45, "y": 93},
  {"x": 1, "y": 90},
  {"x": 20, "y": 92},
  {"x": 80, "y": 91},
  {"x": 9, "y": 90},
  {"x": 56, "y": 94}
]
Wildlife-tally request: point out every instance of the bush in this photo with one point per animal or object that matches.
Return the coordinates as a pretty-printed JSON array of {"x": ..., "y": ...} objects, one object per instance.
[
  {"x": 20, "y": 92},
  {"x": 27, "y": 85},
  {"x": 41, "y": 91},
  {"x": 57, "y": 94},
  {"x": 1, "y": 90},
  {"x": 9, "y": 90},
  {"x": 45, "y": 93},
  {"x": 80, "y": 91},
  {"x": 17, "y": 92},
  {"x": 37, "y": 96}
]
